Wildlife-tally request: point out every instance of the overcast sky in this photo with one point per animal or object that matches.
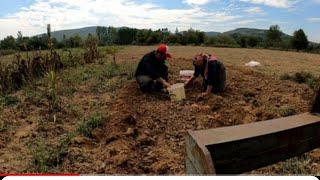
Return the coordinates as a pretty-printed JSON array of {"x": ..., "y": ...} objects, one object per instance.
[{"x": 31, "y": 16}]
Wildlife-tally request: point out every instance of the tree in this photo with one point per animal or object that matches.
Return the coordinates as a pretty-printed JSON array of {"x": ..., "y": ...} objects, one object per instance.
[
  {"x": 213, "y": 40},
  {"x": 226, "y": 41},
  {"x": 126, "y": 35},
  {"x": 37, "y": 43},
  {"x": 22, "y": 42},
  {"x": 8, "y": 43},
  {"x": 274, "y": 36},
  {"x": 102, "y": 34},
  {"x": 243, "y": 41},
  {"x": 74, "y": 41},
  {"x": 253, "y": 41},
  {"x": 111, "y": 37},
  {"x": 299, "y": 40}
]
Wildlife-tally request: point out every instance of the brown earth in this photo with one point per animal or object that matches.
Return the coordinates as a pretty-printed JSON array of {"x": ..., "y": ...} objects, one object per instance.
[{"x": 145, "y": 132}]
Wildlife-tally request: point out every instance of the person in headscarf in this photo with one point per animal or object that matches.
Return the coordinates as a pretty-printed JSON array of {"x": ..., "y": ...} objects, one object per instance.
[{"x": 212, "y": 71}]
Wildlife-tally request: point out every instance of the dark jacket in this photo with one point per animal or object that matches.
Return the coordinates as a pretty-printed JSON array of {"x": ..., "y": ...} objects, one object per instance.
[
  {"x": 150, "y": 66},
  {"x": 216, "y": 75}
]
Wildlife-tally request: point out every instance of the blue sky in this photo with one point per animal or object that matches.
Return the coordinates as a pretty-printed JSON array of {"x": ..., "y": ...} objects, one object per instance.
[{"x": 31, "y": 16}]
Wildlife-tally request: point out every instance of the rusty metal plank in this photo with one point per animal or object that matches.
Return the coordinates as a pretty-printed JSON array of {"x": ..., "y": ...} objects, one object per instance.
[{"x": 238, "y": 149}]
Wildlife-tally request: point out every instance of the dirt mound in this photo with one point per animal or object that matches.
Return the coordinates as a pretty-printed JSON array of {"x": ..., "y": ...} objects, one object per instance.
[{"x": 145, "y": 133}]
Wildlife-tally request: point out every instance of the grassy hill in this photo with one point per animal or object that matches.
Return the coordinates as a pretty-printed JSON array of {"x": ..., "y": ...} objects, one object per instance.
[
  {"x": 262, "y": 33},
  {"x": 212, "y": 33},
  {"x": 82, "y": 32}
]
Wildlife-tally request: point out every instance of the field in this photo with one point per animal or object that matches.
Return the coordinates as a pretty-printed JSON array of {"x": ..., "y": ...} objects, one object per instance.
[{"x": 106, "y": 126}]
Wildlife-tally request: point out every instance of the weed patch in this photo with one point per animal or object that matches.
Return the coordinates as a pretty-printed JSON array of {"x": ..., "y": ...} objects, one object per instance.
[
  {"x": 301, "y": 78},
  {"x": 87, "y": 126},
  {"x": 7, "y": 100},
  {"x": 286, "y": 111}
]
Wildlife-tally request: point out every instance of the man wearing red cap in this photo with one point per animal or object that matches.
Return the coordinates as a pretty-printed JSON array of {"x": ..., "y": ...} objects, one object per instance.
[
  {"x": 212, "y": 71},
  {"x": 152, "y": 72}
]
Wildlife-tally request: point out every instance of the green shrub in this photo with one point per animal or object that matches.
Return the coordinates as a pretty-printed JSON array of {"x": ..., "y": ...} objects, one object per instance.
[
  {"x": 34, "y": 96},
  {"x": 45, "y": 158},
  {"x": 285, "y": 76},
  {"x": 297, "y": 166},
  {"x": 9, "y": 100},
  {"x": 301, "y": 78},
  {"x": 87, "y": 126},
  {"x": 287, "y": 111}
]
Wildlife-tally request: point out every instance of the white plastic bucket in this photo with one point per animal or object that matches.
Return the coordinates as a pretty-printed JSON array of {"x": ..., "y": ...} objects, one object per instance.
[
  {"x": 177, "y": 92},
  {"x": 186, "y": 73}
]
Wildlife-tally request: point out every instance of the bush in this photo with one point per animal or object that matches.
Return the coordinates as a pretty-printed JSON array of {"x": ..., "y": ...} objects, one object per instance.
[
  {"x": 285, "y": 76},
  {"x": 46, "y": 158},
  {"x": 301, "y": 78},
  {"x": 287, "y": 111},
  {"x": 297, "y": 166},
  {"x": 88, "y": 126},
  {"x": 9, "y": 100}
]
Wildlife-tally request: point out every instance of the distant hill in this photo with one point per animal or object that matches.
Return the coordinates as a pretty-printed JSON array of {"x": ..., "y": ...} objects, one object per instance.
[
  {"x": 82, "y": 32},
  {"x": 212, "y": 33},
  {"x": 262, "y": 33}
]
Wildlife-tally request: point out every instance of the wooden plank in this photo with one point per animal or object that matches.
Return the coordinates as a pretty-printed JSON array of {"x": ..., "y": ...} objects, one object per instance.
[{"x": 238, "y": 149}]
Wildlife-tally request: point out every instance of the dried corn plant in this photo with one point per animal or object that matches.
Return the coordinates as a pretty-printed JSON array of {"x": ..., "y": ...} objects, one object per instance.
[
  {"x": 91, "y": 45},
  {"x": 4, "y": 80}
]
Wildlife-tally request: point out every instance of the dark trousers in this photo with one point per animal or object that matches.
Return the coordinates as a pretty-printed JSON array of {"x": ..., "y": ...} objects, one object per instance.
[
  {"x": 147, "y": 84},
  {"x": 217, "y": 88}
]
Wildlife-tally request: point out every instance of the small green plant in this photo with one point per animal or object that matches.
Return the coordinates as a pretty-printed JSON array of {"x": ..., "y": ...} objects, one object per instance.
[
  {"x": 112, "y": 50},
  {"x": 53, "y": 98},
  {"x": 129, "y": 69},
  {"x": 111, "y": 70},
  {"x": 34, "y": 96},
  {"x": 287, "y": 111},
  {"x": 8, "y": 100},
  {"x": 297, "y": 166},
  {"x": 285, "y": 76},
  {"x": 301, "y": 77},
  {"x": 3, "y": 126},
  {"x": 45, "y": 157},
  {"x": 87, "y": 126}
]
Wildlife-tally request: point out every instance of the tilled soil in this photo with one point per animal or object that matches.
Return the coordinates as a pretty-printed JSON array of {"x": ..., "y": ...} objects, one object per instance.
[{"x": 145, "y": 132}]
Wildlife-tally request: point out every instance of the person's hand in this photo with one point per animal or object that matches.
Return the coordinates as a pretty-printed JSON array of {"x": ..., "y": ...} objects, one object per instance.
[
  {"x": 189, "y": 82},
  {"x": 166, "y": 85},
  {"x": 204, "y": 94}
]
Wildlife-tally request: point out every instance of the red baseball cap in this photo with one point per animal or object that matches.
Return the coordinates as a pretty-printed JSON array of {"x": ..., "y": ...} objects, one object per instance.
[{"x": 163, "y": 48}]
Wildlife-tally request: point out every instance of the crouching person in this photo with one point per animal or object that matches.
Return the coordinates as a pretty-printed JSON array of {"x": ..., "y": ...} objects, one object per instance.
[
  {"x": 152, "y": 72},
  {"x": 212, "y": 71}
]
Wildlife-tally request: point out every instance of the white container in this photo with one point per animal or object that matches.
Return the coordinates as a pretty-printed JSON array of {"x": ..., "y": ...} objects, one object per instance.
[
  {"x": 177, "y": 92},
  {"x": 253, "y": 64},
  {"x": 186, "y": 73}
]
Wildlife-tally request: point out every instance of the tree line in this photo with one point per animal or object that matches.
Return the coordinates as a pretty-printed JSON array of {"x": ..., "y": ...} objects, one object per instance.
[{"x": 132, "y": 36}]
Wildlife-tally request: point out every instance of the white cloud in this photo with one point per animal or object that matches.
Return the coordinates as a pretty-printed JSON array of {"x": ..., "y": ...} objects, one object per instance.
[
  {"x": 254, "y": 10},
  {"x": 249, "y": 21},
  {"x": 313, "y": 19},
  {"x": 196, "y": 2},
  {"x": 273, "y": 3},
  {"x": 66, "y": 14}
]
